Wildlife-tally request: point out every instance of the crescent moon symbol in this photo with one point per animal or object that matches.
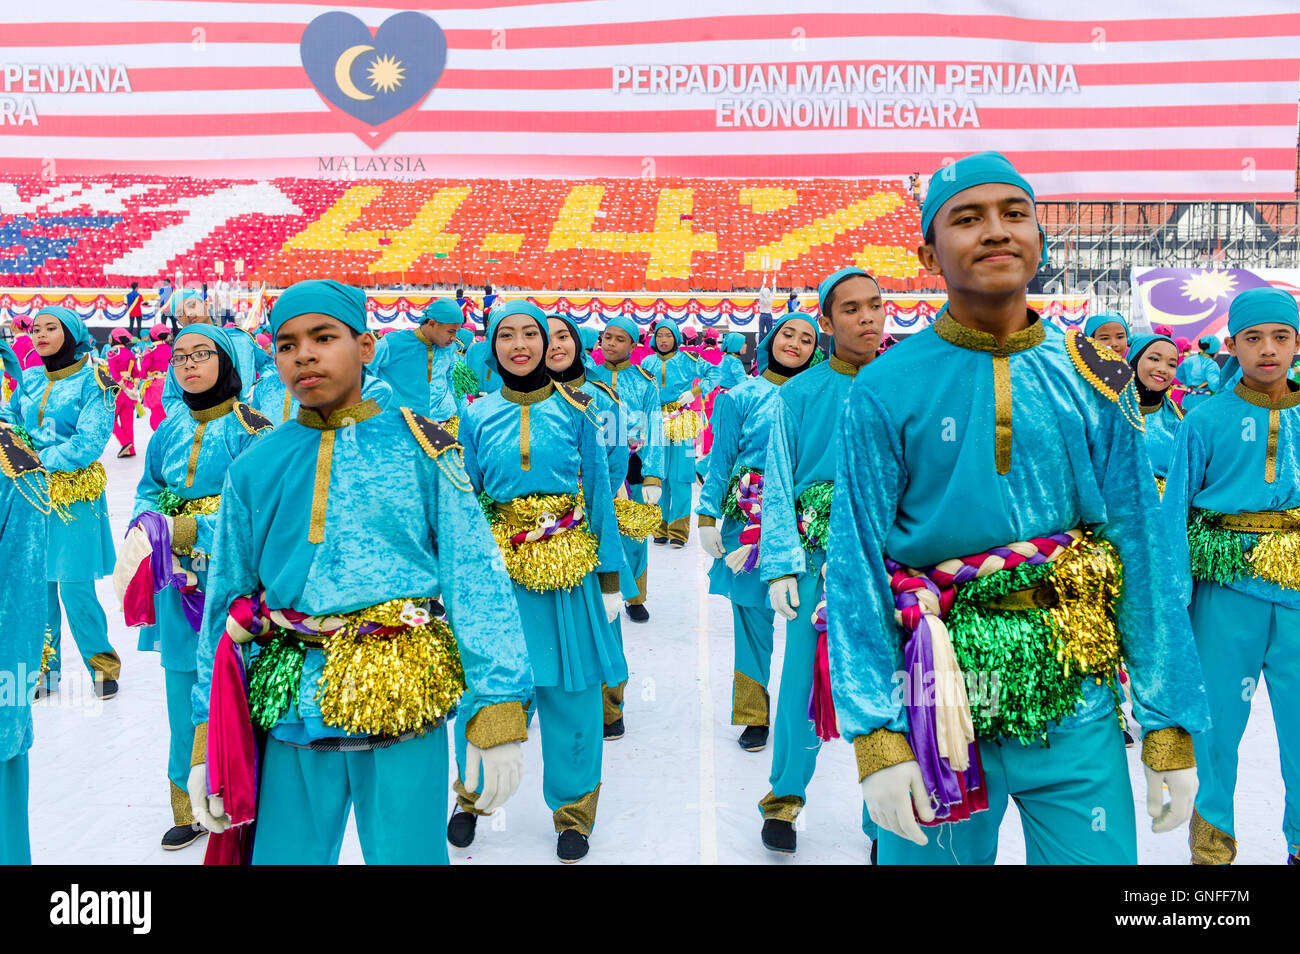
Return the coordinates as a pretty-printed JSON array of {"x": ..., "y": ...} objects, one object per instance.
[{"x": 343, "y": 71}]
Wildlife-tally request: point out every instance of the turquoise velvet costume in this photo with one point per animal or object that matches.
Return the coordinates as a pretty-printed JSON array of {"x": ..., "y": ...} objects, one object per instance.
[{"x": 918, "y": 480}]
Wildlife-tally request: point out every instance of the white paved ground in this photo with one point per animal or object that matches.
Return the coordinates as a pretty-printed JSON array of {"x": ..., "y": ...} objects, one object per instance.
[{"x": 676, "y": 789}]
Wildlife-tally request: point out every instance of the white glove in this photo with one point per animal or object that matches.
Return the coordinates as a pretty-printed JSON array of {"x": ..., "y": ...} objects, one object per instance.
[
  {"x": 1182, "y": 785},
  {"x": 133, "y": 394},
  {"x": 686, "y": 398},
  {"x": 503, "y": 767},
  {"x": 613, "y": 605},
  {"x": 783, "y": 594},
  {"x": 208, "y": 809},
  {"x": 711, "y": 540},
  {"x": 891, "y": 793},
  {"x": 651, "y": 493}
]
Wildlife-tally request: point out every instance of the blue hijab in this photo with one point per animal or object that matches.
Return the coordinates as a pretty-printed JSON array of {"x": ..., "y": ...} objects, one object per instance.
[{"x": 764, "y": 354}]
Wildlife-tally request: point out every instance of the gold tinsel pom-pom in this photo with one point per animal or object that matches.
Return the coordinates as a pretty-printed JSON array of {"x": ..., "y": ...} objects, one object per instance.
[
  {"x": 637, "y": 520},
  {"x": 390, "y": 684},
  {"x": 452, "y": 425},
  {"x": 202, "y": 506},
  {"x": 1088, "y": 579},
  {"x": 1276, "y": 557},
  {"x": 77, "y": 486},
  {"x": 556, "y": 562},
  {"x": 684, "y": 427},
  {"x": 47, "y": 653}
]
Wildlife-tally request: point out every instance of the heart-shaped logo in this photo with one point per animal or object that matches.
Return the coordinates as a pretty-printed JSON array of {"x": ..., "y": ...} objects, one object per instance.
[{"x": 374, "y": 83}]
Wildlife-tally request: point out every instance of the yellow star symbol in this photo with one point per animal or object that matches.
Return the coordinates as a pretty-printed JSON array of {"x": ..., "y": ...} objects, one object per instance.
[
  {"x": 1208, "y": 285},
  {"x": 386, "y": 73}
]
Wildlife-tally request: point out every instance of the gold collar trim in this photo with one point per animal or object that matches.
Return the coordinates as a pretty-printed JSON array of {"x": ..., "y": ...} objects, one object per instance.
[
  {"x": 954, "y": 332},
  {"x": 342, "y": 417},
  {"x": 1152, "y": 408},
  {"x": 775, "y": 378},
  {"x": 1291, "y": 399},
  {"x": 578, "y": 382},
  {"x": 843, "y": 367},
  {"x": 528, "y": 397},
  {"x": 67, "y": 372},
  {"x": 419, "y": 333},
  {"x": 621, "y": 366},
  {"x": 212, "y": 413}
]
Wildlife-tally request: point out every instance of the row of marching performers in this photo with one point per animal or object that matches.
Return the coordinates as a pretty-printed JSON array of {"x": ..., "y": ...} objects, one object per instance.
[
  {"x": 967, "y": 539},
  {"x": 298, "y": 559}
]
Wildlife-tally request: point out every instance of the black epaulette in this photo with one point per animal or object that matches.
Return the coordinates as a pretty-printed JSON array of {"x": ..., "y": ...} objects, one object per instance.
[
  {"x": 433, "y": 438},
  {"x": 613, "y": 395},
  {"x": 648, "y": 375},
  {"x": 691, "y": 355},
  {"x": 1102, "y": 368},
  {"x": 254, "y": 421},
  {"x": 16, "y": 458},
  {"x": 579, "y": 399},
  {"x": 104, "y": 379}
]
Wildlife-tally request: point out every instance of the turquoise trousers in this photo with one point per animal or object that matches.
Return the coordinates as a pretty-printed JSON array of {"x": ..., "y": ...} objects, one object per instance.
[
  {"x": 399, "y": 794},
  {"x": 1074, "y": 796},
  {"x": 15, "y": 844}
]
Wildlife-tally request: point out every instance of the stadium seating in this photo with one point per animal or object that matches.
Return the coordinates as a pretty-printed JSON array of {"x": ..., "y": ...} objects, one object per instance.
[{"x": 633, "y": 234}]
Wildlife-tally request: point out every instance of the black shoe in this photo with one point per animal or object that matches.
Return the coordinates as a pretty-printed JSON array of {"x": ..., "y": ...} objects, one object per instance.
[
  {"x": 1128, "y": 740},
  {"x": 571, "y": 846},
  {"x": 181, "y": 836},
  {"x": 437, "y": 610},
  {"x": 873, "y": 852},
  {"x": 42, "y": 691},
  {"x": 677, "y": 544},
  {"x": 660, "y": 541},
  {"x": 753, "y": 739},
  {"x": 637, "y": 613},
  {"x": 614, "y": 730},
  {"x": 460, "y": 829},
  {"x": 126, "y": 452},
  {"x": 778, "y": 836},
  {"x": 106, "y": 688}
]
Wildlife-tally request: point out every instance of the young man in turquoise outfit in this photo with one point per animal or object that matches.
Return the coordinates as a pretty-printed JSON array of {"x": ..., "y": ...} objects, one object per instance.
[
  {"x": 1199, "y": 373},
  {"x": 184, "y": 468},
  {"x": 733, "y": 493},
  {"x": 1001, "y": 470},
  {"x": 675, "y": 373},
  {"x": 638, "y": 394},
  {"x": 797, "y": 485},
  {"x": 417, "y": 362},
  {"x": 354, "y": 677},
  {"x": 67, "y": 407},
  {"x": 1110, "y": 329},
  {"x": 24, "y": 509},
  {"x": 1233, "y": 499}
]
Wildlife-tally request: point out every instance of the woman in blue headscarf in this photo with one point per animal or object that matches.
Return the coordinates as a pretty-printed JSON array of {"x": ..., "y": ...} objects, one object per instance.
[
  {"x": 727, "y": 373},
  {"x": 1154, "y": 359},
  {"x": 67, "y": 407},
  {"x": 733, "y": 491},
  {"x": 533, "y": 453},
  {"x": 184, "y": 468}
]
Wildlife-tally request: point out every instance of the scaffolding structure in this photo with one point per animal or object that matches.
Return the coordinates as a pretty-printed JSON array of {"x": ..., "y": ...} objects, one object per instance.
[{"x": 1093, "y": 246}]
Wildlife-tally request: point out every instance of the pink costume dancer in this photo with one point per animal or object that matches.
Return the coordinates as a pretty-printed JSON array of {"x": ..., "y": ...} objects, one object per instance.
[
  {"x": 121, "y": 365},
  {"x": 23, "y": 346},
  {"x": 152, "y": 371}
]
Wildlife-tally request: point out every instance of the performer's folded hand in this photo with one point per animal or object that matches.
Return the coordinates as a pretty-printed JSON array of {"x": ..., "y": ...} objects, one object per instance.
[
  {"x": 1182, "y": 784},
  {"x": 651, "y": 493},
  {"x": 783, "y": 594},
  {"x": 686, "y": 398},
  {"x": 208, "y": 809},
  {"x": 503, "y": 767},
  {"x": 613, "y": 605},
  {"x": 711, "y": 540},
  {"x": 892, "y": 794}
]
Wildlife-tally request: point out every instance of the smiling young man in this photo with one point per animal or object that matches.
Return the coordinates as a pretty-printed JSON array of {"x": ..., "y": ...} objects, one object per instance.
[
  {"x": 798, "y": 471},
  {"x": 638, "y": 397},
  {"x": 351, "y": 675},
  {"x": 986, "y": 470},
  {"x": 1233, "y": 498}
]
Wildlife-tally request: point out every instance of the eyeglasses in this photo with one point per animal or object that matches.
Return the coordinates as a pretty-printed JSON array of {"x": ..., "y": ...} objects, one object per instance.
[{"x": 198, "y": 357}]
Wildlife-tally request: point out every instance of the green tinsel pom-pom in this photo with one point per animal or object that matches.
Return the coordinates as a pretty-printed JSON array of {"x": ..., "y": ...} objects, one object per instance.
[
  {"x": 488, "y": 506},
  {"x": 1217, "y": 555},
  {"x": 169, "y": 502},
  {"x": 24, "y": 435},
  {"x": 463, "y": 379},
  {"x": 815, "y": 505},
  {"x": 818, "y": 356},
  {"x": 273, "y": 680}
]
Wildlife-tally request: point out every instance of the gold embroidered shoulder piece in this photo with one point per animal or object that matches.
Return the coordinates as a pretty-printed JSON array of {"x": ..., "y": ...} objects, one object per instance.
[{"x": 253, "y": 420}]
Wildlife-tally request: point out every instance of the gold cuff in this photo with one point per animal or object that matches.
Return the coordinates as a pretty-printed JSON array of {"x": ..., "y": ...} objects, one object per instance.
[
  {"x": 651, "y": 482},
  {"x": 788, "y": 576},
  {"x": 1209, "y": 845},
  {"x": 881, "y": 749},
  {"x": 199, "y": 754},
  {"x": 780, "y": 807},
  {"x": 608, "y": 582},
  {"x": 1165, "y": 750},
  {"x": 185, "y": 533},
  {"x": 580, "y": 815},
  {"x": 492, "y": 725},
  {"x": 704, "y": 520}
]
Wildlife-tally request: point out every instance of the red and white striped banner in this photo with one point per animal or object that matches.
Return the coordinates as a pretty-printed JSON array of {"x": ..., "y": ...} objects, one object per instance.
[{"x": 1114, "y": 99}]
